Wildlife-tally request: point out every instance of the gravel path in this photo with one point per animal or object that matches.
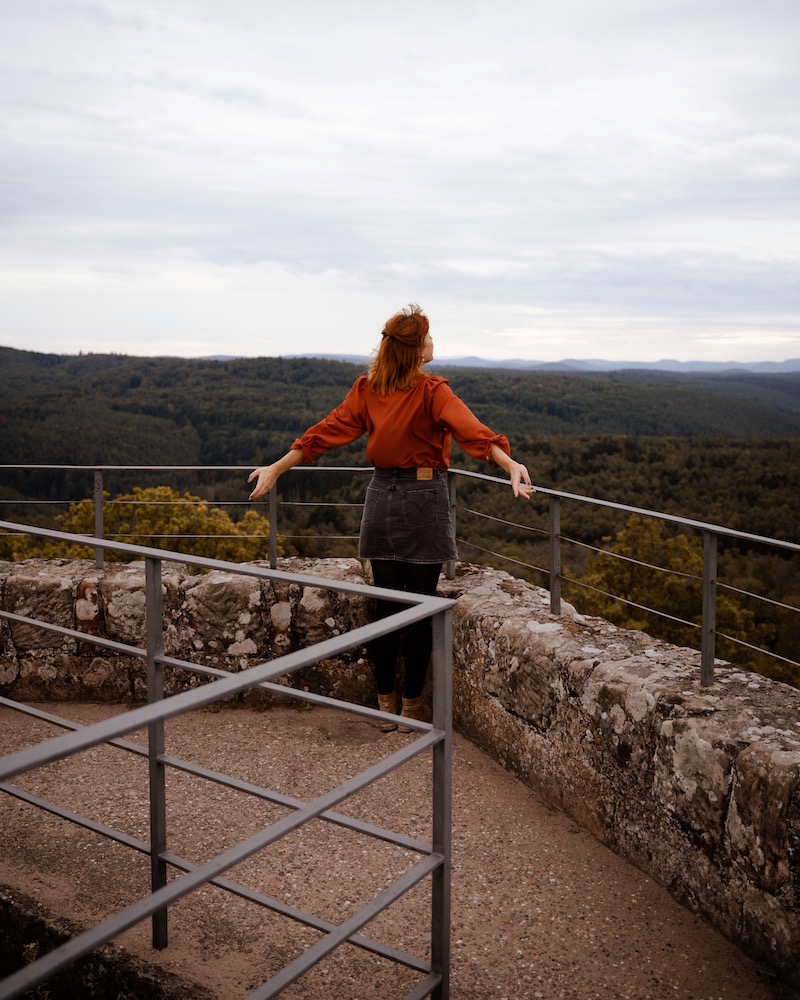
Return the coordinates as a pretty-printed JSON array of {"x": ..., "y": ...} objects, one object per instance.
[{"x": 540, "y": 908}]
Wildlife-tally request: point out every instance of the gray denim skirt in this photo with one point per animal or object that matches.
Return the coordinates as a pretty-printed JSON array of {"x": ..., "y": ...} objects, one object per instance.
[{"x": 407, "y": 518}]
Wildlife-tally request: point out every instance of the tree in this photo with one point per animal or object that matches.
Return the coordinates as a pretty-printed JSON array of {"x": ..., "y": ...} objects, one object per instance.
[
  {"x": 649, "y": 568},
  {"x": 156, "y": 517}
]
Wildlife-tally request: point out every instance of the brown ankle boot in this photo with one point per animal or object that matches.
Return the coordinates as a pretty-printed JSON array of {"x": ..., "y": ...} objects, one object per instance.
[
  {"x": 387, "y": 703},
  {"x": 414, "y": 708}
]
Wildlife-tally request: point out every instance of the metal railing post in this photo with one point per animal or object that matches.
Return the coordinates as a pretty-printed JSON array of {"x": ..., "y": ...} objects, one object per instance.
[
  {"x": 450, "y": 568},
  {"x": 709, "y": 623},
  {"x": 555, "y": 556},
  {"x": 442, "y": 799},
  {"x": 155, "y": 692},
  {"x": 273, "y": 528},
  {"x": 99, "y": 527}
]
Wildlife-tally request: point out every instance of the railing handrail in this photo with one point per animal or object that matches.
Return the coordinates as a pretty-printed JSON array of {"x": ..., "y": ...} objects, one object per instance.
[
  {"x": 685, "y": 522},
  {"x": 675, "y": 519},
  {"x": 203, "y": 562}
]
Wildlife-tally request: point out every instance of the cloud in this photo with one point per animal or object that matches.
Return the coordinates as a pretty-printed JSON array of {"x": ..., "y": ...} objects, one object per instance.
[{"x": 595, "y": 168}]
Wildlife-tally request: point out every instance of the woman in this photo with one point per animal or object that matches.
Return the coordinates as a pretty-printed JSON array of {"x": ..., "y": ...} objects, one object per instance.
[{"x": 406, "y": 529}]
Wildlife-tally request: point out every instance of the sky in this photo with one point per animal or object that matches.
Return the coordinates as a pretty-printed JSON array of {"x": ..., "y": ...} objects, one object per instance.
[{"x": 614, "y": 179}]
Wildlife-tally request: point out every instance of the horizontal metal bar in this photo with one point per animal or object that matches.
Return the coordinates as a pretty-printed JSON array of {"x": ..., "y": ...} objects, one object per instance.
[
  {"x": 76, "y": 818},
  {"x": 37, "y": 713},
  {"x": 338, "y": 819},
  {"x": 189, "y": 767},
  {"x": 626, "y": 508},
  {"x": 71, "y": 633},
  {"x": 109, "y": 928},
  {"x": 294, "y": 970},
  {"x": 102, "y": 732},
  {"x": 541, "y": 490},
  {"x": 186, "y": 468},
  {"x": 345, "y": 706},
  {"x": 240, "y": 569}
]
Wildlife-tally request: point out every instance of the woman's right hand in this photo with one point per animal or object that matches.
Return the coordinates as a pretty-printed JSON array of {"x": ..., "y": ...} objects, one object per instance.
[{"x": 266, "y": 476}]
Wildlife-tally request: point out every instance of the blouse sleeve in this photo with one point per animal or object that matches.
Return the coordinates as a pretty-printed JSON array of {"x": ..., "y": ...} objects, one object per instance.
[
  {"x": 342, "y": 426},
  {"x": 474, "y": 437}
]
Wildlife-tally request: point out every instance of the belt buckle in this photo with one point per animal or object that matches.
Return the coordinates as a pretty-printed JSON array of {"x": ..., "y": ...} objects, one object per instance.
[{"x": 425, "y": 472}]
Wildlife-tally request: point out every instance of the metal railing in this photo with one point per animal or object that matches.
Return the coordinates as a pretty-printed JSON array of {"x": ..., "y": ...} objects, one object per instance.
[
  {"x": 436, "y": 738},
  {"x": 554, "y": 575},
  {"x": 712, "y": 535}
]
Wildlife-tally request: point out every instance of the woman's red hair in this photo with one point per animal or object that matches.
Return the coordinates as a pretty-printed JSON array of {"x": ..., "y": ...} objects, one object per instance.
[{"x": 398, "y": 361}]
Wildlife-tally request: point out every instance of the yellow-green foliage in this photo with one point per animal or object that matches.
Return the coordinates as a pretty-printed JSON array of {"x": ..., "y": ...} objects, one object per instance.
[
  {"x": 157, "y": 517},
  {"x": 651, "y": 568}
]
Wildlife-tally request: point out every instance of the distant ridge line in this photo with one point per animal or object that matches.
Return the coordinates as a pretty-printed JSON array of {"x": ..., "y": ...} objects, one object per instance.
[
  {"x": 592, "y": 364},
  {"x": 791, "y": 366}
]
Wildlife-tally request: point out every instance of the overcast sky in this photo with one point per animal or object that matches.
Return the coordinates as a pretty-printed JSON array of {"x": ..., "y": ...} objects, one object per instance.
[{"x": 583, "y": 178}]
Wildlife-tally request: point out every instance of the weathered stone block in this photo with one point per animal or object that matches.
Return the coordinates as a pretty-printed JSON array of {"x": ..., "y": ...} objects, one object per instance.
[
  {"x": 39, "y": 589},
  {"x": 222, "y": 618},
  {"x": 121, "y": 593}
]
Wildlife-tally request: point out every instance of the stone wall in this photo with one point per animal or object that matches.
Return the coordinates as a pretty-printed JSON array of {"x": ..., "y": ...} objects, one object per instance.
[
  {"x": 214, "y": 619},
  {"x": 700, "y": 787}
]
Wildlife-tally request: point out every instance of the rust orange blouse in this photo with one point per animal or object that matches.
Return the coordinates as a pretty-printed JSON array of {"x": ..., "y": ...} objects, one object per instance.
[{"x": 405, "y": 429}]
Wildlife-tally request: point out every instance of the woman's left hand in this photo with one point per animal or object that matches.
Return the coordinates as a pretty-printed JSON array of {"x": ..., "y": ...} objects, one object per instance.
[
  {"x": 520, "y": 481},
  {"x": 517, "y": 473}
]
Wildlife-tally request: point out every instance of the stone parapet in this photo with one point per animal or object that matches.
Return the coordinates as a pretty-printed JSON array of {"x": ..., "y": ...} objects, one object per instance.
[
  {"x": 215, "y": 619},
  {"x": 698, "y": 786}
]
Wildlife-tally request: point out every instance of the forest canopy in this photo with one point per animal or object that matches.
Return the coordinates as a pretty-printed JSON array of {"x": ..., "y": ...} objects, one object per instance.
[{"x": 715, "y": 448}]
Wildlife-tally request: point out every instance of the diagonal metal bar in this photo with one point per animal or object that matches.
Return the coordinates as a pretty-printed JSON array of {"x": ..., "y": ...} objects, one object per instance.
[
  {"x": 189, "y": 767},
  {"x": 203, "y": 562},
  {"x": 294, "y": 970},
  {"x": 425, "y": 988},
  {"x": 338, "y": 819},
  {"x": 72, "y": 817},
  {"x": 71, "y": 633},
  {"x": 293, "y": 913}
]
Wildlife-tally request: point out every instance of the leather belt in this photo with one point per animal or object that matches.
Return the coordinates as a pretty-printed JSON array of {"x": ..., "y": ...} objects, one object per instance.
[{"x": 423, "y": 472}]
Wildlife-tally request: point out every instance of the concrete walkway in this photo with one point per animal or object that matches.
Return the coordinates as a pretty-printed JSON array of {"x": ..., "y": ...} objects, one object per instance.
[{"x": 540, "y": 908}]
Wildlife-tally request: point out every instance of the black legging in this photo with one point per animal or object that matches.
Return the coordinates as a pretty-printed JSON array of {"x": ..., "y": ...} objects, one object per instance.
[{"x": 417, "y": 639}]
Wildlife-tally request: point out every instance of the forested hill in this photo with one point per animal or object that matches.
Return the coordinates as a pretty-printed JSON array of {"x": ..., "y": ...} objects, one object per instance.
[{"x": 115, "y": 409}]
